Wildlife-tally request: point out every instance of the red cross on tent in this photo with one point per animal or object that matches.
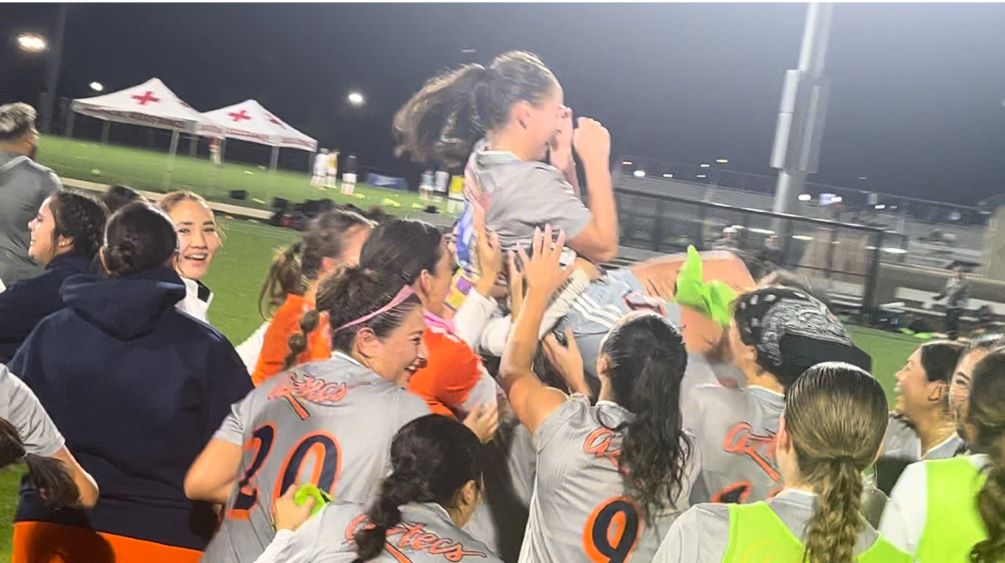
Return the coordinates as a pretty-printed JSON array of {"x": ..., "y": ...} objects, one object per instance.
[
  {"x": 146, "y": 98},
  {"x": 238, "y": 116},
  {"x": 249, "y": 121}
]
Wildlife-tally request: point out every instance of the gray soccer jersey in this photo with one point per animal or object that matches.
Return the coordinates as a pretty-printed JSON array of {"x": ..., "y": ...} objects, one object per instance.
[
  {"x": 329, "y": 423},
  {"x": 20, "y": 407},
  {"x": 902, "y": 442},
  {"x": 580, "y": 510},
  {"x": 735, "y": 430},
  {"x": 426, "y": 535},
  {"x": 702, "y": 533}
]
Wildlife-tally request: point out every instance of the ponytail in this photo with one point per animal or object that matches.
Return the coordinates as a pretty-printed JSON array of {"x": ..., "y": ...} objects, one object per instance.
[
  {"x": 991, "y": 506},
  {"x": 987, "y": 415},
  {"x": 396, "y": 490},
  {"x": 835, "y": 415},
  {"x": 47, "y": 475},
  {"x": 453, "y": 110},
  {"x": 833, "y": 529},
  {"x": 284, "y": 277},
  {"x": 433, "y": 457},
  {"x": 296, "y": 265},
  {"x": 645, "y": 363}
]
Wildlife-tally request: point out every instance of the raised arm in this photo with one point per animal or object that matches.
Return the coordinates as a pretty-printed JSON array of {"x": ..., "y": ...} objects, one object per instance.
[
  {"x": 599, "y": 240},
  {"x": 531, "y": 400}
]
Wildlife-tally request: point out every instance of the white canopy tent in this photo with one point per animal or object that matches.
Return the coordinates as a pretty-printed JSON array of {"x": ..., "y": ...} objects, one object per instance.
[
  {"x": 151, "y": 104},
  {"x": 250, "y": 121}
]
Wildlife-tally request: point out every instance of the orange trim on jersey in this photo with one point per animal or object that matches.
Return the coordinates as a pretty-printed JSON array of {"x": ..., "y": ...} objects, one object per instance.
[
  {"x": 599, "y": 444},
  {"x": 319, "y": 461},
  {"x": 250, "y": 488},
  {"x": 44, "y": 542},
  {"x": 739, "y": 440},
  {"x": 616, "y": 529}
]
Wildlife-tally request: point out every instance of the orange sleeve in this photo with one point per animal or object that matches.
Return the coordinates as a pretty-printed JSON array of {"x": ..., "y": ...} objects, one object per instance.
[
  {"x": 451, "y": 371},
  {"x": 275, "y": 348}
]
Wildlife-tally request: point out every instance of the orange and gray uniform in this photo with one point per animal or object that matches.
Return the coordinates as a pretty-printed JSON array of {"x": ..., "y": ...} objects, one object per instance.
[
  {"x": 329, "y": 423},
  {"x": 580, "y": 509},
  {"x": 735, "y": 430},
  {"x": 426, "y": 534}
]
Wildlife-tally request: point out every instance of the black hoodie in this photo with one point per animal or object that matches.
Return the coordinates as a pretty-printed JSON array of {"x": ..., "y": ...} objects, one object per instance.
[{"x": 137, "y": 388}]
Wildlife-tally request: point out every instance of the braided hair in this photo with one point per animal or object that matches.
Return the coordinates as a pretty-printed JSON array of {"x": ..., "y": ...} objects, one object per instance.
[{"x": 80, "y": 218}]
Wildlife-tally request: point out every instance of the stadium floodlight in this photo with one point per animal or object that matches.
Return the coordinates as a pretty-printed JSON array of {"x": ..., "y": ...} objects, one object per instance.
[
  {"x": 805, "y": 197},
  {"x": 701, "y": 176},
  {"x": 639, "y": 173},
  {"x": 880, "y": 206},
  {"x": 626, "y": 163},
  {"x": 722, "y": 161},
  {"x": 705, "y": 165},
  {"x": 355, "y": 98},
  {"x": 32, "y": 43},
  {"x": 668, "y": 175},
  {"x": 97, "y": 87}
]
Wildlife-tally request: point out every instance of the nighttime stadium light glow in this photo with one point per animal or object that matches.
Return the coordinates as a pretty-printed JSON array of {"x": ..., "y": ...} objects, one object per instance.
[
  {"x": 626, "y": 163},
  {"x": 97, "y": 87},
  {"x": 805, "y": 197},
  {"x": 701, "y": 176},
  {"x": 722, "y": 161},
  {"x": 705, "y": 165},
  {"x": 668, "y": 175},
  {"x": 639, "y": 173},
  {"x": 355, "y": 98},
  {"x": 31, "y": 43},
  {"x": 880, "y": 206}
]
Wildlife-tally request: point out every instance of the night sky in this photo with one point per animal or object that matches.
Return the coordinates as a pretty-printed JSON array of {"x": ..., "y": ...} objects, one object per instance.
[{"x": 917, "y": 100}]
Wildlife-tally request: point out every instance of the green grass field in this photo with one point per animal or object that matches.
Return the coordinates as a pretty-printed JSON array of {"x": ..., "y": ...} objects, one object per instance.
[
  {"x": 145, "y": 169},
  {"x": 237, "y": 274}
]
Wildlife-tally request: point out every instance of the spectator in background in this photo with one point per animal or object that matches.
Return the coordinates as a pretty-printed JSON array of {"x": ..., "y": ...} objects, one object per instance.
[
  {"x": 320, "y": 169},
  {"x": 332, "y": 170},
  {"x": 65, "y": 237},
  {"x": 119, "y": 196},
  {"x": 772, "y": 252},
  {"x": 214, "y": 151},
  {"x": 24, "y": 185},
  {"x": 957, "y": 296}
]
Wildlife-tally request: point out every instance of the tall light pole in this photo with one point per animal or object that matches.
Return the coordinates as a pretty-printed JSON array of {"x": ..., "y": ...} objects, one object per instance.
[
  {"x": 52, "y": 72},
  {"x": 796, "y": 149}
]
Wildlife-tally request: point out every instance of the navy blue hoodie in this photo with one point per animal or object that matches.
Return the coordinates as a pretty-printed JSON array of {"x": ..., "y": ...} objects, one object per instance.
[
  {"x": 137, "y": 388},
  {"x": 28, "y": 301}
]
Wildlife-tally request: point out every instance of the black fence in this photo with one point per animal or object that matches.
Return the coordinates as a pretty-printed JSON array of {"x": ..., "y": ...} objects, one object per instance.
[{"x": 839, "y": 258}]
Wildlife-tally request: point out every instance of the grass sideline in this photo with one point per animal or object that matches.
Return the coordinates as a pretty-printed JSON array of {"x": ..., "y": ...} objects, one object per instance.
[
  {"x": 145, "y": 169},
  {"x": 240, "y": 268}
]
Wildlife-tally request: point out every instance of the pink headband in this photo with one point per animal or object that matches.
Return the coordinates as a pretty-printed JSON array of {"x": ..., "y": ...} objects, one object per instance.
[{"x": 402, "y": 295}]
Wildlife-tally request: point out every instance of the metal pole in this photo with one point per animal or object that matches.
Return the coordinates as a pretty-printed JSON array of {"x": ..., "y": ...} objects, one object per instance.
[
  {"x": 273, "y": 163},
  {"x": 52, "y": 72},
  {"x": 171, "y": 152},
  {"x": 193, "y": 145},
  {"x": 105, "y": 129},
  {"x": 69, "y": 122},
  {"x": 798, "y": 126}
]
